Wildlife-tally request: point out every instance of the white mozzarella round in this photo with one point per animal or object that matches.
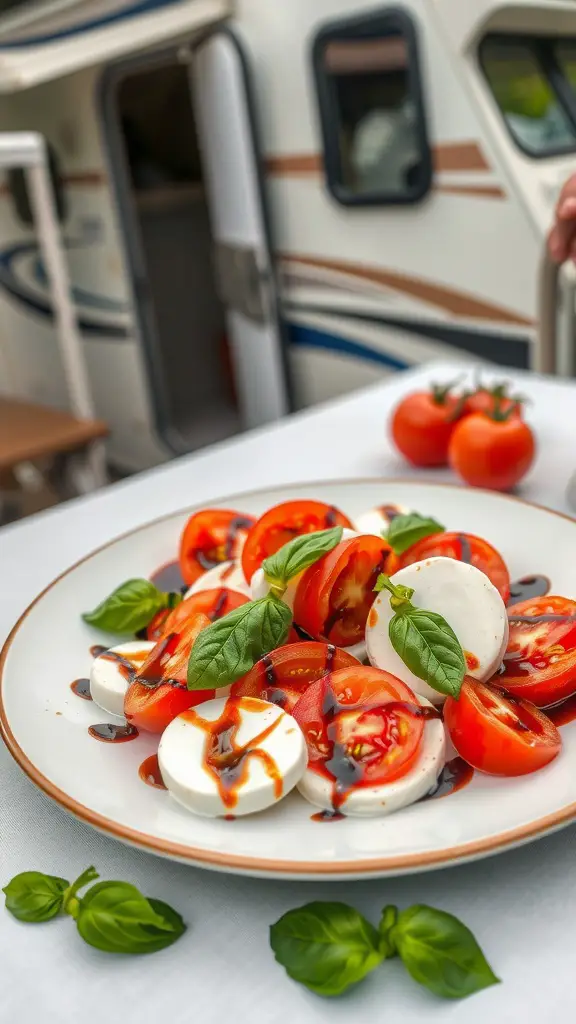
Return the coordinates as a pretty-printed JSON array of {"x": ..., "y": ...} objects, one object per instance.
[
  {"x": 376, "y": 801},
  {"x": 468, "y": 601},
  {"x": 202, "y": 788},
  {"x": 227, "y": 574},
  {"x": 377, "y": 520},
  {"x": 108, "y": 676}
]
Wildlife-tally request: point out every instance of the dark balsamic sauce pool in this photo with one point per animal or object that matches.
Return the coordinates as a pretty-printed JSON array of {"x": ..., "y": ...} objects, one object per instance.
[{"x": 527, "y": 588}]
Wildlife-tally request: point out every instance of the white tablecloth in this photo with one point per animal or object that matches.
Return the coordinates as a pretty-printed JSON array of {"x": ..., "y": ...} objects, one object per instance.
[{"x": 521, "y": 905}]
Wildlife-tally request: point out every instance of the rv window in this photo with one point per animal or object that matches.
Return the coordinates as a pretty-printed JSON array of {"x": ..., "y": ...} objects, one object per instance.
[
  {"x": 372, "y": 115},
  {"x": 521, "y": 77},
  {"x": 565, "y": 52}
]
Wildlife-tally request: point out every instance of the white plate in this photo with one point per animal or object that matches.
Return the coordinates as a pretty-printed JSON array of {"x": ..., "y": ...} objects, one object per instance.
[{"x": 46, "y": 726}]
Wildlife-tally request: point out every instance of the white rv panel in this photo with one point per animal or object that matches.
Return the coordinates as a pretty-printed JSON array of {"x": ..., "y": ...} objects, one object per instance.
[{"x": 238, "y": 221}]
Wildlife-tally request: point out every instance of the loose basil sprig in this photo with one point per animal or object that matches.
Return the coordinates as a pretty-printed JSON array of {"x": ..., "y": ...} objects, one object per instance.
[
  {"x": 33, "y": 897},
  {"x": 406, "y": 530},
  {"x": 297, "y": 555},
  {"x": 112, "y": 916},
  {"x": 424, "y": 640},
  {"x": 230, "y": 646},
  {"x": 330, "y": 946},
  {"x": 131, "y": 607}
]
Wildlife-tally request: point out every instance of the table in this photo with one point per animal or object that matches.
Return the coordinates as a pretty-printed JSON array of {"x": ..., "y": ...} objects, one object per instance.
[{"x": 521, "y": 905}]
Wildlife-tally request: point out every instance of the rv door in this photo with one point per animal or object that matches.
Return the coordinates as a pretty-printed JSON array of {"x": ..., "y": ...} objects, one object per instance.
[{"x": 227, "y": 135}]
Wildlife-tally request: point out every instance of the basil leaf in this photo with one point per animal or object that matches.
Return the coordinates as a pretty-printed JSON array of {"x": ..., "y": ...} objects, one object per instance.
[
  {"x": 404, "y": 531},
  {"x": 326, "y": 946},
  {"x": 298, "y": 554},
  {"x": 230, "y": 646},
  {"x": 116, "y": 918},
  {"x": 33, "y": 896},
  {"x": 385, "y": 929},
  {"x": 441, "y": 953},
  {"x": 430, "y": 649},
  {"x": 130, "y": 608}
]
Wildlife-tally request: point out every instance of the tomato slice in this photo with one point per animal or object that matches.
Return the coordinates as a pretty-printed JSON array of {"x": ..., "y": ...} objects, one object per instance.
[
  {"x": 363, "y": 727},
  {"x": 283, "y": 676},
  {"x": 157, "y": 627},
  {"x": 540, "y": 660},
  {"x": 497, "y": 733},
  {"x": 209, "y": 538},
  {"x": 158, "y": 693},
  {"x": 335, "y": 594},
  {"x": 214, "y": 604},
  {"x": 464, "y": 547},
  {"x": 284, "y": 522}
]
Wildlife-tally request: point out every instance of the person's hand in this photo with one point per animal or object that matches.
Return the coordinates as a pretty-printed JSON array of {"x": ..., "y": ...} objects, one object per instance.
[{"x": 562, "y": 237}]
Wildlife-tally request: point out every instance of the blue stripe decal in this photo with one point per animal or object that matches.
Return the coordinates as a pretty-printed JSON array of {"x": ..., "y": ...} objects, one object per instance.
[
  {"x": 86, "y": 26},
  {"x": 311, "y": 337}
]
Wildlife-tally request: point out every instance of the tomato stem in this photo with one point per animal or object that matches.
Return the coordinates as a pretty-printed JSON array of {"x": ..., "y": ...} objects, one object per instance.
[{"x": 440, "y": 392}]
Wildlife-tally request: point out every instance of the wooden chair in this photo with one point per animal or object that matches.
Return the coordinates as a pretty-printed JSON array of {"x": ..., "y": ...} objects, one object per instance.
[{"x": 67, "y": 445}]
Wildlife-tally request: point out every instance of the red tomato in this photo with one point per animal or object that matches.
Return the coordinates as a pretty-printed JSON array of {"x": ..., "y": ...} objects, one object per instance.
[
  {"x": 464, "y": 547},
  {"x": 540, "y": 660},
  {"x": 499, "y": 734},
  {"x": 212, "y": 603},
  {"x": 335, "y": 594},
  {"x": 366, "y": 716},
  {"x": 209, "y": 538},
  {"x": 283, "y": 676},
  {"x": 159, "y": 691},
  {"x": 493, "y": 453},
  {"x": 284, "y": 522},
  {"x": 490, "y": 399},
  {"x": 157, "y": 627},
  {"x": 422, "y": 425}
]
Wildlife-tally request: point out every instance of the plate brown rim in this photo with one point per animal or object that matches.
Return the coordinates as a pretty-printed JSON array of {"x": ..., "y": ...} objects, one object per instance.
[{"x": 259, "y": 865}]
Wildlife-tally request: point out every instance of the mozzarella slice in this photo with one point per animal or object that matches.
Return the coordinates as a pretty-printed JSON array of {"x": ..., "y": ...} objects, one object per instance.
[
  {"x": 376, "y": 801},
  {"x": 227, "y": 574},
  {"x": 468, "y": 601},
  {"x": 377, "y": 520},
  {"x": 265, "y": 748},
  {"x": 111, "y": 671}
]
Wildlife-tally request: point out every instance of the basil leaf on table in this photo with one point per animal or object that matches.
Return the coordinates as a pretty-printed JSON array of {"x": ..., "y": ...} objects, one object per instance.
[
  {"x": 116, "y": 918},
  {"x": 326, "y": 946},
  {"x": 34, "y": 897},
  {"x": 441, "y": 953},
  {"x": 424, "y": 641},
  {"x": 387, "y": 923},
  {"x": 299, "y": 554},
  {"x": 230, "y": 646},
  {"x": 131, "y": 607},
  {"x": 406, "y": 530}
]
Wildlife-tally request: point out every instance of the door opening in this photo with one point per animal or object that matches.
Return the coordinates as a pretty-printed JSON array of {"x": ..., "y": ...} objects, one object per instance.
[{"x": 159, "y": 180}]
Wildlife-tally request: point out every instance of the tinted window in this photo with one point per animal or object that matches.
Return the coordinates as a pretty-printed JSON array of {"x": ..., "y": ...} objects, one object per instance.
[
  {"x": 521, "y": 76},
  {"x": 376, "y": 149}
]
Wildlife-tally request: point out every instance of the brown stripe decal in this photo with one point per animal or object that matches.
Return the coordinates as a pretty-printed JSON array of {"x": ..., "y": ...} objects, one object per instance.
[
  {"x": 296, "y": 163},
  {"x": 485, "y": 191},
  {"x": 456, "y": 303},
  {"x": 459, "y": 156}
]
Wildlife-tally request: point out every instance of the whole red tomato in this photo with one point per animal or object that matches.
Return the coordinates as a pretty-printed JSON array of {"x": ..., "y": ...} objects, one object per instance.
[
  {"x": 492, "y": 400},
  {"x": 422, "y": 425},
  {"x": 492, "y": 451}
]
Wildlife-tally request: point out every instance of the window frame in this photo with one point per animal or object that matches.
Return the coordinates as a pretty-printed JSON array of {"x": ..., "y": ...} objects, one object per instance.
[
  {"x": 543, "y": 47},
  {"x": 369, "y": 26}
]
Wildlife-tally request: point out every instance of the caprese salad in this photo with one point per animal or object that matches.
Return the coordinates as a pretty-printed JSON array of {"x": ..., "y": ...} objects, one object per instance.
[{"x": 347, "y": 660}]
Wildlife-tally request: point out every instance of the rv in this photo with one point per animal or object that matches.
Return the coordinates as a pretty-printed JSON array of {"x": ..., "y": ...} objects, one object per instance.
[{"x": 267, "y": 204}]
